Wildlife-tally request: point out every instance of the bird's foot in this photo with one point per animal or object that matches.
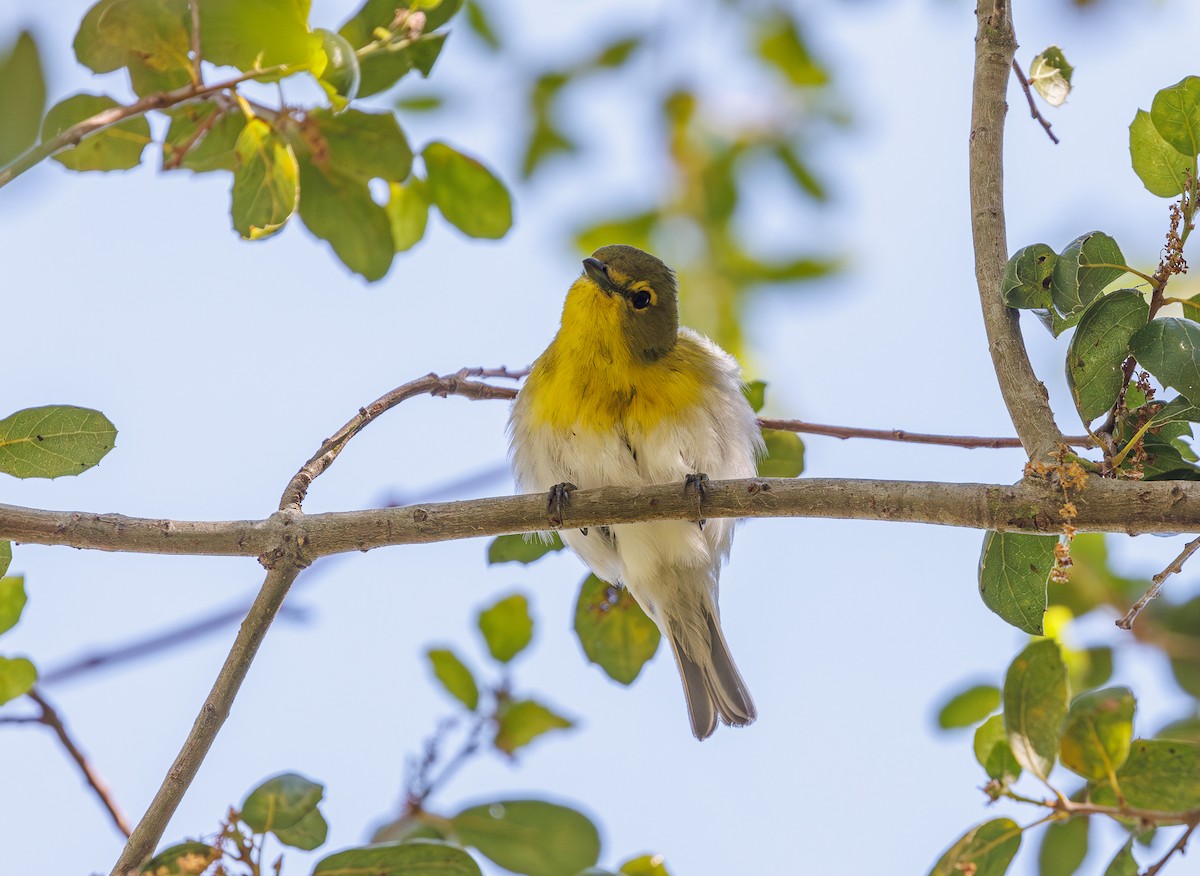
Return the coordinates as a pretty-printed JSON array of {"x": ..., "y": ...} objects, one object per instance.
[
  {"x": 699, "y": 483},
  {"x": 557, "y": 501}
]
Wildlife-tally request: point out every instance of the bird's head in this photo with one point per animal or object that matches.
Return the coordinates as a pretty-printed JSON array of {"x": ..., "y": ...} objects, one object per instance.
[{"x": 644, "y": 290}]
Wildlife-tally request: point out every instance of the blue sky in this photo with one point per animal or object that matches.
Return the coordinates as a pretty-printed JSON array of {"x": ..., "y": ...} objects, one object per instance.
[{"x": 224, "y": 364}]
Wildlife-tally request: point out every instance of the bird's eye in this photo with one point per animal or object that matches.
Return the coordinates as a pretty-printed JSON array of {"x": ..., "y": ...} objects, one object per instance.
[{"x": 641, "y": 300}]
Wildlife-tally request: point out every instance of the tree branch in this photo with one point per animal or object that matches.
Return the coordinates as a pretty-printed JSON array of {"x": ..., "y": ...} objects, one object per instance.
[
  {"x": 213, "y": 713},
  {"x": 1033, "y": 107},
  {"x": 1131, "y": 507},
  {"x": 54, "y": 721},
  {"x": 967, "y": 441},
  {"x": 1024, "y": 396},
  {"x": 1176, "y": 566}
]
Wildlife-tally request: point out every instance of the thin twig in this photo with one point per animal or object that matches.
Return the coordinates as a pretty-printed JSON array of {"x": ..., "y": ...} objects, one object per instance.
[
  {"x": 1024, "y": 396},
  {"x": 1156, "y": 584},
  {"x": 197, "y": 72},
  {"x": 1033, "y": 109},
  {"x": 967, "y": 441},
  {"x": 51, "y": 718},
  {"x": 1180, "y": 847}
]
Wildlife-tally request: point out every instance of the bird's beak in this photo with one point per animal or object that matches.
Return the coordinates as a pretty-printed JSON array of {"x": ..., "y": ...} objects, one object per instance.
[{"x": 598, "y": 271}]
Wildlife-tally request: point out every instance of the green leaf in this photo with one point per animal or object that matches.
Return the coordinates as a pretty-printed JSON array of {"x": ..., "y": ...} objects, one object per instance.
[
  {"x": 364, "y": 145},
  {"x": 1098, "y": 733},
  {"x": 634, "y": 230},
  {"x": 23, "y": 99},
  {"x": 12, "y": 592},
  {"x": 968, "y": 707},
  {"x": 1050, "y": 74},
  {"x": 1182, "y": 621},
  {"x": 466, "y": 192},
  {"x": 152, "y": 34},
  {"x": 118, "y": 147},
  {"x": 799, "y": 171},
  {"x": 530, "y": 836},
  {"x": 519, "y": 722},
  {"x": 1014, "y": 569},
  {"x": 1027, "y": 277},
  {"x": 507, "y": 627},
  {"x": 202, "y": 138},
  {"x": 1170, "y": 350},
  {"x": 477, "y": 21},
  {"x": 438, "y": 12},
  {"x": 182, "y": 859},
  {"x": 994, "y": 753},
  {"x": 756, "y": 393},
  {"x": 339, "y": 208},
  {"x": 1082, "y": 271},
  {"x": 645, "y": 865},
  {"x": 1064, "y": 846},
  {"x": 1161, "y": 774},
  {"x": 337, "y": 70},
  {"x": 1123, "y": 864},
  {"x": 785, "y": 455},
  {"x": 1176, "y": 115},
  {"x": 615, "y": 633},
  {"x": 1099, "y": 349},
  {"x": 545, "y": 141},
  {"x": 383, "y": 69},
  {"x": 264, "y": 181},
  {"x": 518, "y": 549},
  {"x": 408, "y": 212},
  {"x": 264, "y": 33},
  {"x": 1161, "y": 168},
  {"x": 1185, "y": 729},
  {"x": 17, "y": 676},
  {"x": 984, "y": 850},
  {"x": 781, "y": 45},
  {"x": 281, "y": 802},
  {"x": 308, "y": 833},
  {"x": 1035, "y": 705},
  {"x": 1054, "y": 322},
  {"x": 52, "y": 441},
  {"x": 417, "y": 857},
  {"x": 1090, "y": 667},
  {"x": 454, "y": 675}
]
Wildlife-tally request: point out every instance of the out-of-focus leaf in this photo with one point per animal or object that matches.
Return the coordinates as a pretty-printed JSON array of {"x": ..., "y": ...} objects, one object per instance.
[
  {"x": 381, "y": 70},
  {"x": 52, "y": 441},
  {"x": 307, "y": 834},
  {"x": 466, "y": 193},
  {"x": 12, "y": 592},
  {"x": 530, "y": 836},
  {"x": 756, "y": 393},
  {"x": 785, "y": 455},
  {"x": 481, "y": 26},
  {"x": 408, "y": 213},
  {"x": 781, "y": 45},
  {"x": 1175, "y": 113},
  {"x": 281, "y": 802},
  {"x": 118, "y": 147},
  {"x": 1182, "y": 621},
  {"x": 1099, "y": 349},
  {"x": 202, "y": 138},
  {"x": 1050, "y": 74},
  {"x": 1123, "y": 863},
  {"x": 519, "y": 722},
  {"x": 23, "y": 98},
  {"x": 1035, "y": 705},
  {"x": 338, "y": 207},
  {"x": 801, "y": 173},
  {"x": 259, "y": 34},
  {"x": 265, "y": 189},
  {"x": 984, "y": 850},
  {"x": 151, "y": 34},
  {"x": 1170, "y": 350},
  {"x": 454, "y": 675},
  {"x": 416, "y": 857},
  {"x": 518, "y": 549},
  {"x": 1064, "y": 846},
  {"x": 993, "y": 751},
  {"x": 182, "y": 859},
  {"x": 1014, "y": 569},
  {"x": 1083, "y": 270},
  {"x": 507, "y": 627},
  {"x": 17, "y": 676},
  {"x": 634, "y": 230},
  {"x": 1161, "y": 168},
  {"x": 1098, "y": 733},
  {"x": 645, "y": 865},
  {"x": 968, "y": 707},
  {"x": 366, "y": 145},
  {"x": 1185, "y": 730},
  {"x": 613, "y": 630}
]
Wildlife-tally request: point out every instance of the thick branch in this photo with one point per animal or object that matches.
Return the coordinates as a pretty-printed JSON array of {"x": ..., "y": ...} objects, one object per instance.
[
  {"x": 1024, "y": 395},
  {"x": 1104, "y": 506},
  {"x": 212, "y": 715}
]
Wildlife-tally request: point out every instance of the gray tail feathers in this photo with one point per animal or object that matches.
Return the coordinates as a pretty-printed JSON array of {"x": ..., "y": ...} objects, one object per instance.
[{"x": 711, "y": 683}]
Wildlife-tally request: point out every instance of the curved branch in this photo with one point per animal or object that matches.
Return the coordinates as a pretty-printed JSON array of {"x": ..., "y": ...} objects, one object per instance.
[
  {"x": 1024, "y": 396},
  {"x": 1105, "y": 506}
]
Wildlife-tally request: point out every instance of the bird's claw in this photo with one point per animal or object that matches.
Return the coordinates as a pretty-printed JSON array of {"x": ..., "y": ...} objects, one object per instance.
[
  {"x": 699, "y": 483},
  {"x": 557, "y": 502}
]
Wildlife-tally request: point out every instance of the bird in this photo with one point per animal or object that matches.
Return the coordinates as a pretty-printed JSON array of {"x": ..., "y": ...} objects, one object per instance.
[{"x": 625, "y": 396}]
